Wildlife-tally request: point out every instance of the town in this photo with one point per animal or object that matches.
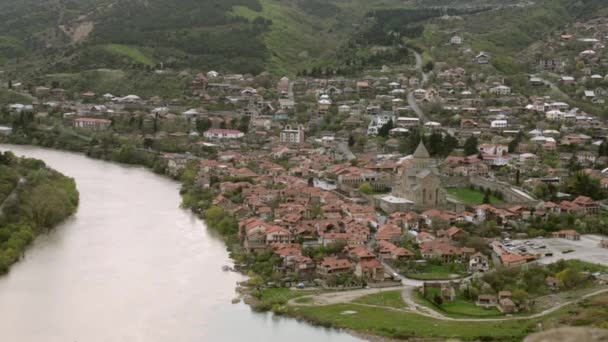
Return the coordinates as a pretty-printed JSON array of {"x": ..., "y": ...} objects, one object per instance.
[{"x": 482, "y": 194}]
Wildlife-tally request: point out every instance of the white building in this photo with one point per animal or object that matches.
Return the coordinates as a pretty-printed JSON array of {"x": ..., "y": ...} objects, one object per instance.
[
  {"x": 456, "y": 40},
  {"x": 293, "y": 136},
  {"x": 500, "y": 90},
  {"x": 499, "y": 124},
  {"x": 223, "y": 134}
]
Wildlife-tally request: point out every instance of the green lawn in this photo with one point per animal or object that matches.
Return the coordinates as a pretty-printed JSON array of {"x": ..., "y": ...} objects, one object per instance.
[
  {"x": 130, "y": 52},
  {"x": 403, "y": 325},
  {"x": 459, "y": 307},
  {"x": 303, "y": 300},
  {"x": 470, "y": 197},
  {"x": 437, "y": 272},
  {"x": 390, "y": 299}
]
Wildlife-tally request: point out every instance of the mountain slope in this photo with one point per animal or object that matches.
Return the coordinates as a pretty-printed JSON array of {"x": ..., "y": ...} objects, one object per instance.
[{"x": 282, "y": 36}]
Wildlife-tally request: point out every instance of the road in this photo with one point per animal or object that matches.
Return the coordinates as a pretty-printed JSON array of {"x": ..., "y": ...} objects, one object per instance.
[
  {"x": 404, "y": 280},
  {"x": 425, "y": 76},
  {"x": 411, "y": 100}
]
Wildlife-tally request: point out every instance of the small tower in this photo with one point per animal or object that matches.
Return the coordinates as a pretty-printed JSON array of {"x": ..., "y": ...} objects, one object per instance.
[{"x": 421, "y": 156}]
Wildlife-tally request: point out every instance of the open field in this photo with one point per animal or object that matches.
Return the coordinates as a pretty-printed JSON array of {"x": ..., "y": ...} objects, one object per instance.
[
  {"x": 391, "y": 299},
  {"x": 459, "y": 307},
  {"x": 437, "y": 272},
  {"x": 130, "y": 52},
  {"x": 400, "y": 324},
  {"x": 470, "y": 197}
]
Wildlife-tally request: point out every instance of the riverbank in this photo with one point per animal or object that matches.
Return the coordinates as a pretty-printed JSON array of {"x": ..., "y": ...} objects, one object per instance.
[
  {"x": 34, "y": 199},
  {"x": 386, "y": 321}
]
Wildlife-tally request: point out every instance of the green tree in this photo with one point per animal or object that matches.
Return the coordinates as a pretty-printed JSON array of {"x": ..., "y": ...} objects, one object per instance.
[
  {"x": 583, "y": 184},
  {"x": 366, "y": 188},
  {"x": 385, "y": 129},
  {"x": 470, "y": 146},
  {"x": 486, "y": 197},
  {"x": 520, "y": 296}
]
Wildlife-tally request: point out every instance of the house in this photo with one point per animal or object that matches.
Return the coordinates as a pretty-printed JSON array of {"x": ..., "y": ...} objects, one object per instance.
[
  {"x": 482, "y": 58},
  {"x": 512, "y": 260},
  {"x": 453, "y": 233},
  {"x": 499, "y": 124},
  {"x": 588, "y": 204},
  {"x": 223, "y": 134},
  {"x": 567, "y": 234},
  {"x": 500, "y": 90},
  {"x": 388, "y": 251},
  {"x": 506, "y": 306},
  {"x": 92, "y": 123},
  {"x": 479, "y": 263},
  {"x": 332, "y": 265},
  {"x": 293, "y": 136},
  {"x": 456, "y": 40},
  {"x": 486, "y": 300},
  {"x": 371, "y": 270}
]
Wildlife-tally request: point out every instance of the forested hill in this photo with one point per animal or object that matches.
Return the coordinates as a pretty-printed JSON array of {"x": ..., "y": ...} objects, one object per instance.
[
  {"x": 282, "y": 36},
  {"x": 33, "y": 199}
]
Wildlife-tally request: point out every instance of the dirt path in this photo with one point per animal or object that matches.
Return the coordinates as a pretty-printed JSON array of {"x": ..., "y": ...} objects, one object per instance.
[{"x": 341, "y": 297}]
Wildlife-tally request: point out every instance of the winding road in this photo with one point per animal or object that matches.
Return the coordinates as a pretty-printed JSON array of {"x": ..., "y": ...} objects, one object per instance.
[{"x": 411, "y": 99}]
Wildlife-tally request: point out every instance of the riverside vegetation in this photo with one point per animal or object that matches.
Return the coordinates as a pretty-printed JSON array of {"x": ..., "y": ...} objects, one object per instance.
[{"x": 34, "y": 199}]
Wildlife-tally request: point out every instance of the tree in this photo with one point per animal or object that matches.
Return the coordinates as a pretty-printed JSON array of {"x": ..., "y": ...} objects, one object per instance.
[
  {"x": 470, "y": 146},
  {"x": 449, "y": 144},
  {"x": 583, "y": 184},
  {"x": 366, "y": 188},
  {"x": 570, "y": 278},
  {"x": 203, "y": 124},
  {"x": 513, "y": 144},
  {"x": 436, "y": 144},
  {"x": 520, "y": 297},
  {"x": 385, "y": 129},
  {"x": 486, "y": 197}
]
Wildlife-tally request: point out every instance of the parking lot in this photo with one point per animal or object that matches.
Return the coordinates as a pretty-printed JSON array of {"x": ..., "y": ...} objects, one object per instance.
[{"x": 586, "y": 249}]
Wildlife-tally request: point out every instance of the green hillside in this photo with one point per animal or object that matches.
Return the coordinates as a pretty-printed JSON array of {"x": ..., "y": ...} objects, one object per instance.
[{"x": 250, "y": 36}]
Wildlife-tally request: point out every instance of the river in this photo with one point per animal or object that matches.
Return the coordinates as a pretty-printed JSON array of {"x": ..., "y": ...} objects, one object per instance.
[{"x": 130, "y": 266}]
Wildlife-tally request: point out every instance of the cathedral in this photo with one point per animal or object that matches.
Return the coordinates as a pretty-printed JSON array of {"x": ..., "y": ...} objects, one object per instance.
[{"x": 420, "y": 182}]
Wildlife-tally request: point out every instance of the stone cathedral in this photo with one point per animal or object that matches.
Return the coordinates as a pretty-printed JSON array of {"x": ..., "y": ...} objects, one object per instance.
[{"x": 420, "y": 182}]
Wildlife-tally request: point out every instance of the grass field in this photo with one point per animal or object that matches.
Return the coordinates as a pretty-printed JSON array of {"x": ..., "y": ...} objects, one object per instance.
[
  {"x": 459, "y": 307},
  {"x": 295, "y": 38},
  {"x": 403, "y": 325},
  {"x": 470, "y": 197},
  {"x": 437, "y": 272},
  {"x": 390, "y": 299},
  {"x": 130, "y": 52}
]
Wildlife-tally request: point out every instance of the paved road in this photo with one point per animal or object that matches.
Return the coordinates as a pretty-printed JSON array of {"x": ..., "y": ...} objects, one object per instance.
[
  {"x": 411, "y": 100},
  {"x": 404, "y": 280},
  {"x": 425, "y": 76}
]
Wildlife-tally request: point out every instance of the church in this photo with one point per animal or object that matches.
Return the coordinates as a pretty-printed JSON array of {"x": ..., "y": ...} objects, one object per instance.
[{"x": 420, "y": 182}]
